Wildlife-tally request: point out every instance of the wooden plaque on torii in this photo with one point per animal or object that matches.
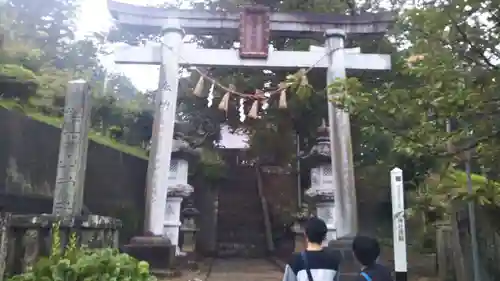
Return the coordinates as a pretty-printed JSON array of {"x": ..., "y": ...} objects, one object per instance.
[{"x": 254, "y": 32}]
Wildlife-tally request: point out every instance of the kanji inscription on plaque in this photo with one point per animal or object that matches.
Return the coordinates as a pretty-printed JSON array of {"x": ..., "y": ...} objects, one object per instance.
[{"x": 254, "y": 32}]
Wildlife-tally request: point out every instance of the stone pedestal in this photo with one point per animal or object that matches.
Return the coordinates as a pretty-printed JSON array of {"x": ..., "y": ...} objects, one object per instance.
[
  {"x": 349, "y": 267},
  {"x": 189, "y": 227},
  {"x": 187, "y": 239},
  {"x": 27, "y": 238},
  {"x": 172, "y": 222},
  {"x": 344, "y": 248},
  {"x": 156, "y": 250},
  {"x": 325, "y": 209}
]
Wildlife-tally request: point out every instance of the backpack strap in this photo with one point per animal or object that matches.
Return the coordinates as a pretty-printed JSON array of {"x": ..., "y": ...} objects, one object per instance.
[
  {"x": 306, "y": 265},
  {"x": 366, "y": 276}
]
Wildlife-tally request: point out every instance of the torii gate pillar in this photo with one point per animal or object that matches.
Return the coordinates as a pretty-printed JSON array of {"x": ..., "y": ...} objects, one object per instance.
[
  {"x": 163, "y": 127},
  {"x": 340, "y": 142}
]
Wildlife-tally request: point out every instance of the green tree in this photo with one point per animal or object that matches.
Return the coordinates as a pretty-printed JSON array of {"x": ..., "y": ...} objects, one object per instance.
[
  {"x": 38, "y": 40},
  {"x": 440, "y": 103},
  {"x": 47, "y": 24}
]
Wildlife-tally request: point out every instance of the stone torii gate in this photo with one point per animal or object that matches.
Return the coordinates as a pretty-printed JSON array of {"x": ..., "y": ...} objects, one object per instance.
[{"x": 255, "y": 26}]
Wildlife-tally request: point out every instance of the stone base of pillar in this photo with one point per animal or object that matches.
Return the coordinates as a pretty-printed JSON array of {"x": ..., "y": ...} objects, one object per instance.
[
  {"x": 349, "y": 267},
  {"x": 157, "y": 251},
  {"x": 325, "y": 211}
]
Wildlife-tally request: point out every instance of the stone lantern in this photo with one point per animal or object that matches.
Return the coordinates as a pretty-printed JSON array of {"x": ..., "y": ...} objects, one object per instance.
[
  {"x": 178, "y": 189},
  {"x": 189, "y": 227},
  {"x": 322, "y": 186}
]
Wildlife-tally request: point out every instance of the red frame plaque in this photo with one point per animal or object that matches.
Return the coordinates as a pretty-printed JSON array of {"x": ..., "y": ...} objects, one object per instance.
[{"x": 254, "y": 32}]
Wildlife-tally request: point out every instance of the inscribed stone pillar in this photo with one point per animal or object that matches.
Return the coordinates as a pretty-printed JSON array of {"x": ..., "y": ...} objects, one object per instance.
[
  {"x": 164, "y": 128},
  {"x": 340, "y": 140},
  {"x": 68, "y": 194}
]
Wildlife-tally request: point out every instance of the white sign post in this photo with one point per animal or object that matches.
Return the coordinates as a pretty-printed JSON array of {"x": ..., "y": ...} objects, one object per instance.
[{"x": 398, "y": 225}]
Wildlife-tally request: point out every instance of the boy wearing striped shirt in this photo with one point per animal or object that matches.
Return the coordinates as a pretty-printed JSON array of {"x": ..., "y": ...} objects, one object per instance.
[{"x": 315, "y": 263}]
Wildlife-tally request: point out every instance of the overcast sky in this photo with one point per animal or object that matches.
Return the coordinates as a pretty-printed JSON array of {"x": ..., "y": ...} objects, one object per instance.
[{"x": 94, "y": 17}]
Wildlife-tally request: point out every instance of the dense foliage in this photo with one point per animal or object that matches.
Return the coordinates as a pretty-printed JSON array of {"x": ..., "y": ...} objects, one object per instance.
[
  {"x": 39, "y": 55},
  {"x": 76, "y": 262},
  {"x": 441, "y": 101}
]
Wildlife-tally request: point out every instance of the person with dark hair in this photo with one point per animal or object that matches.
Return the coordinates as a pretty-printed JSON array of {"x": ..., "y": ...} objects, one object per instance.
[
  {"x": 367, "y": 250},
  {"x": 315, "y": 263}
]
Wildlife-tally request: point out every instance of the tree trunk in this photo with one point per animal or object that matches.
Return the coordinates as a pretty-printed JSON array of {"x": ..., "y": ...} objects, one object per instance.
[
  {"x": 458, "y": 256},
  {"x": 265, "y": 210}
]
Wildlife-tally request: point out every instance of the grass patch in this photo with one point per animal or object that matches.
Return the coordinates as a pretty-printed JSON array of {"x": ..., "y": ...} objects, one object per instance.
[
  {"x": 57, "y": 122},
  {"x": 132, "y": 150},
  {"x": 458, "y": 178}
]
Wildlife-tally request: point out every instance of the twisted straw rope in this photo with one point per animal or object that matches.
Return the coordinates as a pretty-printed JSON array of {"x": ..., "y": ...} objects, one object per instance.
[{"x": 251, "y": 96}]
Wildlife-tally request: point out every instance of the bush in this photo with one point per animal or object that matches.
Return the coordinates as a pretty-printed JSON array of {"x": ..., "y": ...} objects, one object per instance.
[
  {"x": 17, "y": 73},
  {"x": 17, "y": 82},
  {"x": 115, "y": 133},
  {"x": 211, "y": 165},
  {"x": 79, "y": 263}
]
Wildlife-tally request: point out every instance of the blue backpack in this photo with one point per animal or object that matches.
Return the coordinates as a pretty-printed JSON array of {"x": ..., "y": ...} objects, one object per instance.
[{"x": 366, "y": 276}]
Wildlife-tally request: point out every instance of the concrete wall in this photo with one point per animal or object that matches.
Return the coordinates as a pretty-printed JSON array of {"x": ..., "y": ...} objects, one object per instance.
[{"x": 114, "y": 183}]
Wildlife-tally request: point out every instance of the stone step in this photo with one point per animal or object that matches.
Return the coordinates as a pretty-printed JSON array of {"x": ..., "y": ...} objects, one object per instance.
[
  {"x": 236, "y": 207},
  {"x": 240, "y": 222},
  {"x": 166, "y": 273},
  {"x": 237, "y": 221},
  {"x": 246, "y": 241},
  {"x": 240, "y": 227},
  {"x": 242, "y": 232},
  {"x": 228, "y": 250}
]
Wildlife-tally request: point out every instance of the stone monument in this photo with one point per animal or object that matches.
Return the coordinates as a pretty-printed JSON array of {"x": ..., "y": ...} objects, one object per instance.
[
  {"x": 72, "y": 162},
  {"x": 29, "y": 234}
]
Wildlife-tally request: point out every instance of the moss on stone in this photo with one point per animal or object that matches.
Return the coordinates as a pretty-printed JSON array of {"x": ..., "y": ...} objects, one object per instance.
[
  {"x": 57, "y": 122},
  {"x": 17, "y": 73}
]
